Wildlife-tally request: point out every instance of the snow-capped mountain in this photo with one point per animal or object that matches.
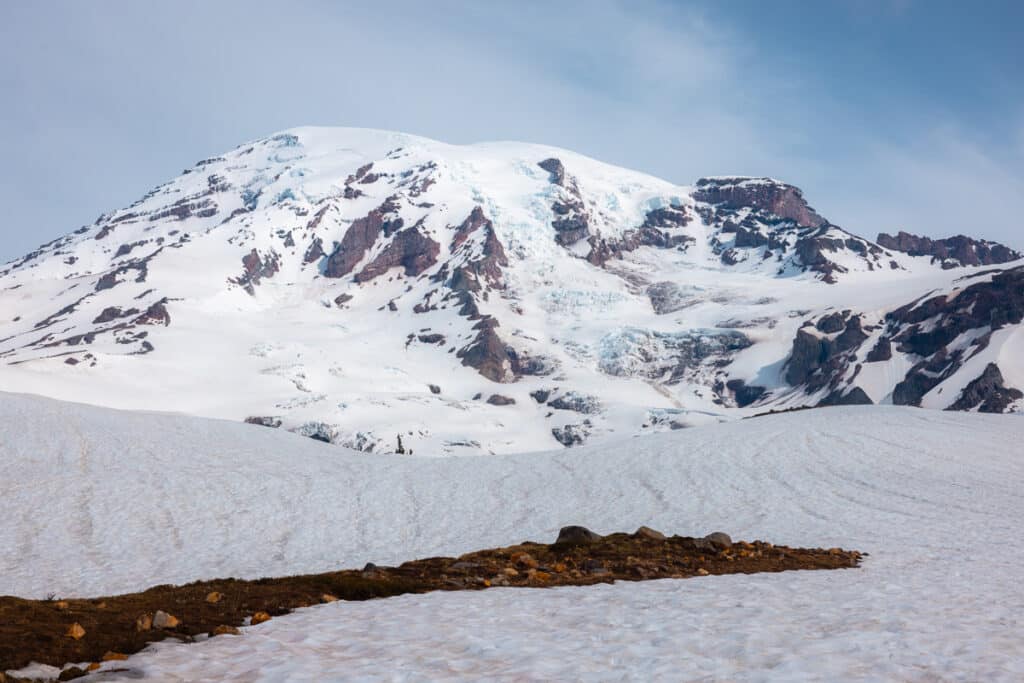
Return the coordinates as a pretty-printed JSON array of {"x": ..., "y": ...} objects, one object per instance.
[{"x": 357, "y": 285}]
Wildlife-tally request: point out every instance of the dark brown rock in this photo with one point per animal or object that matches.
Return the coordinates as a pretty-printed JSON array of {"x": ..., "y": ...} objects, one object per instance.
[
  {"x": 264, "y": 421},
  {"x": 555, "y": 168},
  {"x": 765, "y": 194},
  {"x": 807, "y": 354},
  {"x": 720, "y": 539},
  {"x": 473, "y": 273},
  {"x": 744, "y": 393},
  {"x": 314, "y": 252},
  {"x": 410, "y": 249},
  {"x": 156, "y": 314},
  {"x": 957, "y": 250},
  {"x": 256, "y": 268},
  {"x": 881, "y": 351},
  {"x": 988, "y": 393},
  {"x": 360, "y": 236},
  {"x": 576, "y": 535},
  {"x": 854, "y": 397},
  {"x": 111, "y": 313},
  {"x": 648, "y": 532},
  {"x": 499, "y": 400},
  {"x": 831, "y": 323}
]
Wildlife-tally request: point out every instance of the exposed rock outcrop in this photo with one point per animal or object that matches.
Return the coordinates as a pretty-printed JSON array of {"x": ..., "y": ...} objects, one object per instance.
[
  {"x": 818, "y": 357},
  {"x": 951, "y": 252},
  {"x": 555, "y": 168},
  {"x": 571, "y": 221},
  {"x": 988, "y": 393},
  {"x": 361, "y": 235},
  {"x": 410, "y": 249},
  {"x": 745, "y": 394},
  {"x": 255, "y": 268},
  {"x": 854, "y": 397},
  {"x": 765, "y": 194}
]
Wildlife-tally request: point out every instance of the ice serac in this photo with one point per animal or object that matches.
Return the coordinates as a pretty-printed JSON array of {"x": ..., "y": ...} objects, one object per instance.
[{"x": 362, "y": 284}]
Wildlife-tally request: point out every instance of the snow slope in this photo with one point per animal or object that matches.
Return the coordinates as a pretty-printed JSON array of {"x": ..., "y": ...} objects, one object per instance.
[
  {"x": 107, "y": 501},
  {"x": 358, "y": 284}
]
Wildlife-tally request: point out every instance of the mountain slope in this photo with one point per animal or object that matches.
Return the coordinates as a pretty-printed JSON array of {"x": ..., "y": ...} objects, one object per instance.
[
  {"x": 358, "y": 285},
  {"x": 108, "y": 501}
]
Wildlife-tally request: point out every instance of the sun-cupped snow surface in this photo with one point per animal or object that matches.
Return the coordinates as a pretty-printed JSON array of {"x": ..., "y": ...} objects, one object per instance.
[{"x": 101, "y": 501}]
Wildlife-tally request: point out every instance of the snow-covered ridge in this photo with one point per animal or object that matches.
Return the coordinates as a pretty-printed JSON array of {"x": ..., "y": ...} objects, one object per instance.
[{"x": 356, "y": 284}]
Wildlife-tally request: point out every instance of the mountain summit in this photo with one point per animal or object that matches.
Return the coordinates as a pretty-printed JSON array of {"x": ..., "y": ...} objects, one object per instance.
[{"x": 357, "y": 286}]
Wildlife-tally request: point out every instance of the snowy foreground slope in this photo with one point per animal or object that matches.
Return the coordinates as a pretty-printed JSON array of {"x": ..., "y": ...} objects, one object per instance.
[
  {"x": 354, "y": 285},
  {"x": 99, "y": 501}
]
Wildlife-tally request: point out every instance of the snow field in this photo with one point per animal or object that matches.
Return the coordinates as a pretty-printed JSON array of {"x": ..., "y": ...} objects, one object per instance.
[{"x": 106, "y": 501}]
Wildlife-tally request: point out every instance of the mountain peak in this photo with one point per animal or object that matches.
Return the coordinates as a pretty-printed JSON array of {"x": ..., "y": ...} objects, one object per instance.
[
  {"x": 363, "y": 283},
  {"x": 765, "y": 194}
]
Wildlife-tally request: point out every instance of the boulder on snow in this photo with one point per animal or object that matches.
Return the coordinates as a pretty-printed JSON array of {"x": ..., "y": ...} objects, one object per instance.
[
  {"x": 720, "y": 539},
  {"x": 577, "y": 535},
  {"x": 648, "y": 532},
  {"x": 225, "y": 630}
]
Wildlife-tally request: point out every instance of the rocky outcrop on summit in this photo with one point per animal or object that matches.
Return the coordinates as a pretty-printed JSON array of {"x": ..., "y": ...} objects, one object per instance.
[
  {"x": 763, "y": 221},
  {"x": 764, "y": 194},
  {"x": 571, "y": 221},
  {"x": 950, "y": 252},
  {"x": 555, "y": 168}
]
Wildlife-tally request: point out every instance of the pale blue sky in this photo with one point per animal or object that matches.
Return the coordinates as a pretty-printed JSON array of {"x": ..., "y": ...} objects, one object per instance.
[{"x": 890, "y": 114}]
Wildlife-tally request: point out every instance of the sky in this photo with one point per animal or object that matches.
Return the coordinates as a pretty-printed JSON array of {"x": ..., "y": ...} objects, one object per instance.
[{"x": 894, "y": 114}]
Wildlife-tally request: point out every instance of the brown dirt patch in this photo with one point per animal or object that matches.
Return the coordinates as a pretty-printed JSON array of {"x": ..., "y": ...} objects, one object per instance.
[{"x": 38, "y": 630}]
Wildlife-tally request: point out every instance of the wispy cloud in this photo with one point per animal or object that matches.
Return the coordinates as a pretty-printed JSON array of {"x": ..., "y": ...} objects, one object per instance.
[{"x": 105, "y": 100}]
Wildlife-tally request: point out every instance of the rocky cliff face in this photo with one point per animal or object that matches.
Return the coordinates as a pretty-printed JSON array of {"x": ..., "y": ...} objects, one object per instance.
[
  {"x": 354, "y": 285},
  {"x": 938, "y": 337},
  {"x": 763, "y": 220},
  {"x": 951, "y": 252}
]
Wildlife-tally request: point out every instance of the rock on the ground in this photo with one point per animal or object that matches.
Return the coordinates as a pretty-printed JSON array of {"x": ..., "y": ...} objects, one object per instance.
[
  {"x": 577, "y": 534},
  {"x": 164, "y": 620},
  {"x": 648, "y": 532},
  {"x": 719, "y": 538}
]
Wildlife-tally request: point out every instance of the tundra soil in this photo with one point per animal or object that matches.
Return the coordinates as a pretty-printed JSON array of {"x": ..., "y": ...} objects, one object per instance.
[{"x": 38, "y": 630}]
